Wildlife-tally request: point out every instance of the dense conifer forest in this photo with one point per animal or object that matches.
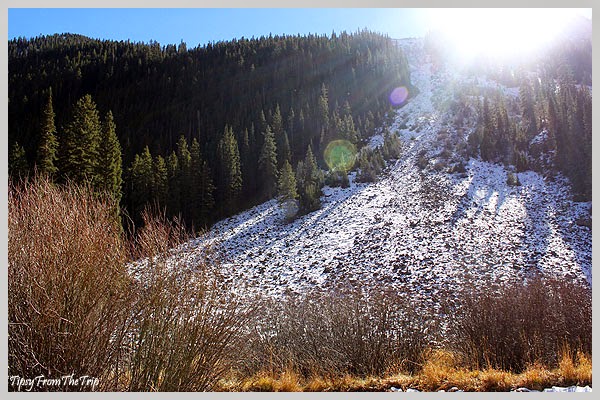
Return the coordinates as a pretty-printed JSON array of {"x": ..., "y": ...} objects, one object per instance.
[{"x": 203, "y": 132}]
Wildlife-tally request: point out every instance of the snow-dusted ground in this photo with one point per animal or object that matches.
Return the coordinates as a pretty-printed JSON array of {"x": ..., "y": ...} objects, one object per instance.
[
  {"x": 430, "y": 231},
  {"x": 552, "y": 389}
]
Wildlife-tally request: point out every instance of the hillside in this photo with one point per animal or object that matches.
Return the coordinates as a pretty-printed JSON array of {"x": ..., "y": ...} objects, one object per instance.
[
  {"x": 420, "y": 228},
  {"x": 166, "y": 100},
  {"x": 299, "y": 213}
]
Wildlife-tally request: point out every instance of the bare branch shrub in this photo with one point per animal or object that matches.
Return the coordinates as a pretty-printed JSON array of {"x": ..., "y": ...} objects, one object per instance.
[
  {"x": 187, "y": 324},
  {"x": 348, "y": 331},
  {"x": 522, "y": 323},
  {"x": 68, "y": 295}
]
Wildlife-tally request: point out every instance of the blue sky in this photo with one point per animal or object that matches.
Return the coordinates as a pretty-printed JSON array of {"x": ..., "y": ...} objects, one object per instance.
[
  {"x": 203, "y": 25},
  {"x": 200, "y": 26}
]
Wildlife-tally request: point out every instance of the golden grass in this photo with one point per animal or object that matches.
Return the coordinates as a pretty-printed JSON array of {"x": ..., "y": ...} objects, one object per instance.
[
  {"x": 493, "y": 380},
  {"x": 574, "y": 370},
  {"x": 287, "y": 381},
  {"x": 442, "y": 370},
  {"x": 536, "y": 377}
]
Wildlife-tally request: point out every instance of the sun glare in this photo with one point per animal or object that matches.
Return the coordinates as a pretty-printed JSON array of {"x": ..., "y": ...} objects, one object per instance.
[{"x": 498, "y": 32}]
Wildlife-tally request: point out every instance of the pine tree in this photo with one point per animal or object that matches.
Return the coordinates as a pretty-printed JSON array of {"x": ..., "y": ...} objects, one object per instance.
[
  {"x": 291, "y": 124},
  {"x": 161, "y": 181},
  {"x": 201, "y": 186},
  {"x": 527, "y": 104},
  {"x": 287, "y": 183},
  {"x": 142, "y": 181},
  {"x": 17, "y": 162},
  {"x": 488, "y": 136},
  {"x": 277, "y": 122},
  {"x": 248, "y": 160},
  {"x": 109, "y": 168},
  {"x": 309, "y": 181},
  {"x": 348, "y": 130},
  {"x": 392, "y": 146},
  {"x": 48, "y": 145},
  {"x": 323, "y": 107},
  {"x": 231, "y": 182},
  {"x": 79, "y": 158},
  {"x": 313, "y": 172},
  {"x": 184, "y": 162},
  {"x": 365, "y": 164},
  {"x": 267, "y": 165},
  {"x": 173, "y": 199},
  {"x": 206, "y": 199}
]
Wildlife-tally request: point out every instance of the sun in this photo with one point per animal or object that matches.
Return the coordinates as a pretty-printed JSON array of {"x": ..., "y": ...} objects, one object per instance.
[{"x": 498, "y": 32}]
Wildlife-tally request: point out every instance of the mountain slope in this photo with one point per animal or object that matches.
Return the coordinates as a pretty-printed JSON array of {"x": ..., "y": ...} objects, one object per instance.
[{"x": 419, "y": 227}]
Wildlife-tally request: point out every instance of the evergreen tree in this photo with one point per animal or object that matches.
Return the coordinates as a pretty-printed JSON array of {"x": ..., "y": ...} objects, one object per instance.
[
  {"x": 488, "y": 136},
  {"x": 281, "y": 137},
  {"x": 48, "y": 144},
  {"x": 287, "y": 183},
  {"x": 142, "y": 180},
  {"x": 79, "y": 158},
  {"x": 184, "y": 158},
  {"x": 248, "y": 160},
  {"x": 527, "y": 103},
  {"x": 392, "y": 146},
  {"x": 109, "y": 167},
  {"x": 366, "y": 164},
  {"x": 17, "y": 162},
  {"x": 267, "y": 165},
  {"x": 231, "y": 174},
  {"x": 161, "y": 181},
  {"x": 277, "y": 122},
  {"x": 206, "y": 200},
  {"x": 291, "y": 124},
  {"x": 348, "y": 130},
  {"x": 323, "y": 109},
  {"x": 309, "y": 181},
  {"x": 173, "y": 179},
  {"x": 202, "y": 186}
]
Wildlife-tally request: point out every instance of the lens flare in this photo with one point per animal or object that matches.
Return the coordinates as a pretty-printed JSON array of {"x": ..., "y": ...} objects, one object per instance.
[
  {"x": 398, "y": 95},
  {"x": 340, "y": 155}
]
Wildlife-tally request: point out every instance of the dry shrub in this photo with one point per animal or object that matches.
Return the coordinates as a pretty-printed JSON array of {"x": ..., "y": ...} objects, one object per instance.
[
  {"x": 77, "y": 304},
  {"x": 346, "y": 331},
  {"x": 187, "y": 325},
  {"x": 68, "y": 297},
  {"x": 521, "y": 323}
]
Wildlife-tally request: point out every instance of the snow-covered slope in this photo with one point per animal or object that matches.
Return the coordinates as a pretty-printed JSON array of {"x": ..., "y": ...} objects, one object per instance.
[{"x": 425, "y": 229}]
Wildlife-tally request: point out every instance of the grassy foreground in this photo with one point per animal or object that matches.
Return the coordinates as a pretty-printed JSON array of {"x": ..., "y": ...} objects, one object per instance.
[{"x": 440, "y": 372}]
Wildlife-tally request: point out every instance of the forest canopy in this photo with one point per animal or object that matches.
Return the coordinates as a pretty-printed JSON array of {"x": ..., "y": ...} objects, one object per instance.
[{"x": 228, "y": 99}]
